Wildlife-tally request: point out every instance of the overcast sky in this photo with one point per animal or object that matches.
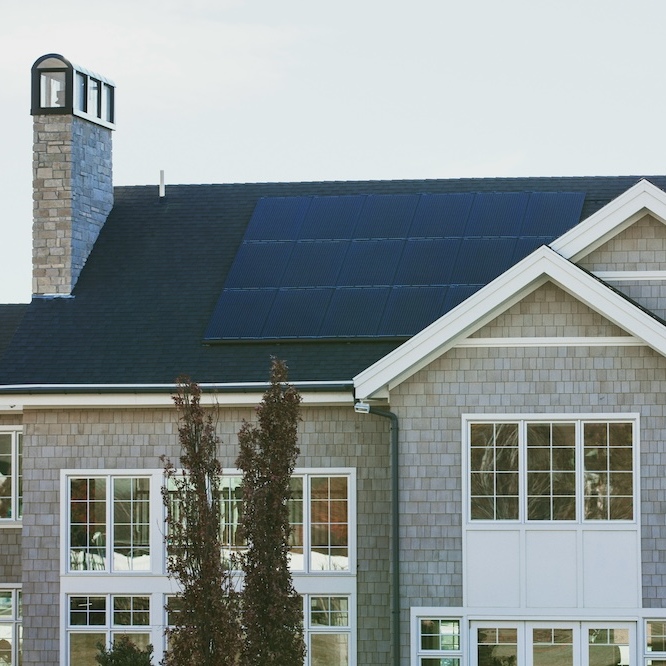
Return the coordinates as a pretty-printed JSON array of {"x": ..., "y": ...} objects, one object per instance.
[{"x": 220, "y": 91}]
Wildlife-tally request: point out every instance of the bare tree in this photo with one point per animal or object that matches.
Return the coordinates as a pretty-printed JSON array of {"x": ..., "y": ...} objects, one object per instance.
[
  {"x": 271, "y": 611},
  {"x": 204, "y": 615}
]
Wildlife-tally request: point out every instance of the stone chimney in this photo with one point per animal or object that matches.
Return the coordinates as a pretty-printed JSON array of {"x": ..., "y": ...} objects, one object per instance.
[{"x": 73, "y": 117}]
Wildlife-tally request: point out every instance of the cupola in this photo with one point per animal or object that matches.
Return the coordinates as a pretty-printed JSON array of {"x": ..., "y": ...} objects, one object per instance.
[{"x": 60, "y": 87}]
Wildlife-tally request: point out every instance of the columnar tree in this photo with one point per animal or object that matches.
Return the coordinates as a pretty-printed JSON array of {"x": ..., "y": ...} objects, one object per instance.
[
  {"x": 271, "y": 611},
  {"x": 204, "y": 615}
]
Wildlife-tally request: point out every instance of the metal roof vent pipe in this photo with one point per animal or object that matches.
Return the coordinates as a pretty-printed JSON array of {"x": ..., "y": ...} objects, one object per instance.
[{"x": 162, "y": 188}]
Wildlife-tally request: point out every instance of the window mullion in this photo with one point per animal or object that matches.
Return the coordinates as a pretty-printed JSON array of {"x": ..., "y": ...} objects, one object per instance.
[
  {"x": 307, "y": 526},
  {"x": 522, "y": 471},
  {"x": 580, "y": 472},
  {"x": 110, "y": 531}
]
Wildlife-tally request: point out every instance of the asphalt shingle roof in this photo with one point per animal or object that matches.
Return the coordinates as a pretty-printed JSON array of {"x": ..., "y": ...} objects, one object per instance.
[
  {"x": 140, "y": 309},
  {"x": 10, "y": 318}
]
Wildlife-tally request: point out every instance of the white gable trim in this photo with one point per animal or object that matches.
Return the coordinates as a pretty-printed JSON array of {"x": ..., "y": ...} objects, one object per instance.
[
  {"x": 543, "y": 265},
  {"x": 618, "y": 215}
]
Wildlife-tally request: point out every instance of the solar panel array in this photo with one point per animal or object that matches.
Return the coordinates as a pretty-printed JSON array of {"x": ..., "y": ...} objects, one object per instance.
[{"x": 376, "y": 266}]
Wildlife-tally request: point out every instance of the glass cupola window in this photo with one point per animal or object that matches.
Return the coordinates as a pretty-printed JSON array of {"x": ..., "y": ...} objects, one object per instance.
[{"x": 59, "y": 87}]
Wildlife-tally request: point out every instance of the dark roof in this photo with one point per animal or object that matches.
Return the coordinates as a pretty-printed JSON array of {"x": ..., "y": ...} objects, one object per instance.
[
  {"x": 146, "y": 295},
  {"x": 10, "y": 318}
]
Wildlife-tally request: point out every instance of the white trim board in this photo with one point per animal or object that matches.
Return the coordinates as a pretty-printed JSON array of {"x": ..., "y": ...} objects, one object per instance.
[
  {"x": 88, "y": 397},
  {"x": 617, "y": 341},
  {"x": 631, "y": 276}
]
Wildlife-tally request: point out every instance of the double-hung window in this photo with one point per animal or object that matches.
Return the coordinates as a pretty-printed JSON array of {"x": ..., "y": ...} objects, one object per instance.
[
  {"x": 11, "y": 473},
  {"x": 109, "y": 523},
  {"x": 530, "y": 470}
]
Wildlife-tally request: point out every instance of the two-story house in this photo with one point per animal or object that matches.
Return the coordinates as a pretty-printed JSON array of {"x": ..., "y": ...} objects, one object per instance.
[{"x": 482, "y": 364}]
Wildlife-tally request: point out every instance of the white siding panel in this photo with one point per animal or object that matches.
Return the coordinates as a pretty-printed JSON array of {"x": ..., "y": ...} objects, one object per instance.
[
  {"x": 493, "y": 582},
  {"x": 611, "y": 569},
  {"x": 551, "y": 569}
]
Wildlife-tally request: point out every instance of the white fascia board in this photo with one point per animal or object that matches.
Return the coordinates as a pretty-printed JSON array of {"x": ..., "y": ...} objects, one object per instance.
[
  {"x": 49, "y": 397},
  {"x": 631, "y": 276},
  {"x": 543, "y": 265},
  {"x": 614, "y": 217}
]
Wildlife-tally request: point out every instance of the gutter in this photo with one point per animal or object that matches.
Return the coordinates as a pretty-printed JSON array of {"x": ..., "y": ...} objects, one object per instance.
[
  {"x": 206, "y": 387},
  {"x": 364, "y": 408}
]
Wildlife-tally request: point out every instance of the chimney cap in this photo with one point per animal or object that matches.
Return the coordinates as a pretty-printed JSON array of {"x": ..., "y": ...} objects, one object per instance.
[{"x": 61, "y": 87}]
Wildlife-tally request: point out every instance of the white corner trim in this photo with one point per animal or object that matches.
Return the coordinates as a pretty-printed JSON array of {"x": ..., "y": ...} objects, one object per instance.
[
  {"x": 613, "y": 218},
  {"x": 541, "y": 266}
]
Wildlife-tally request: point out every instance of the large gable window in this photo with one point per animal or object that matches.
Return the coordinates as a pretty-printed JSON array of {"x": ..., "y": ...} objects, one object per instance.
[{"x": 551, "y": 470}]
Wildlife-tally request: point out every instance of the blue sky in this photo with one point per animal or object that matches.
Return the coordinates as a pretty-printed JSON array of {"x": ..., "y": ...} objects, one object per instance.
[{"x": 216, "y": 91}]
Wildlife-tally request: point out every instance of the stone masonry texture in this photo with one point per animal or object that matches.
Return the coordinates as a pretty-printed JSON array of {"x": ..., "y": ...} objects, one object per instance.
[{"x": 72, "y": 196}]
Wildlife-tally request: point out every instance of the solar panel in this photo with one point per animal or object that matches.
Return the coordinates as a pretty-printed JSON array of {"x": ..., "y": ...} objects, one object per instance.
[
  {"x": 386, "y": 217},
  {"x": 314, "y": 264},
  {"x": 354, "y": 312},
  {"x": 370, "y": 263},
  {"x": 411, "y": 308},
  {"x": 441, "y": 215},
  {"x": 428, "y": 261},
  {"x": 549, "y": 214},
  {"x": 241, "y": 314},
  {"x": 496, "y": 214},
  {"x": 297, "y": 313},
  {"x": 330, "y": 217},
  {"x": 482, "y": 259},
  {"x": 363, "y": 266},
  {"x": 259, "y": 265},
  {"x": 282, "y": 218}
]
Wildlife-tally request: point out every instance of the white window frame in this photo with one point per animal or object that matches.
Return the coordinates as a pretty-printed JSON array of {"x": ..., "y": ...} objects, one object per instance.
[
  {"x": 308, "y": 474},
  {"x": 158, "y": 586},
  {"x": 522, "y": 420},
  {"x": 348, "y": 630},
  {"x": 436, "y": 613},
  {"x": 16, "y": 517},
  {"x": 156, "y": 520},
  {"x": 652, "y": 657},
  {"x": 15, "y": 620},
  {"x": 108, "y": 629},
  {"x": 580, "y": 623}
]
